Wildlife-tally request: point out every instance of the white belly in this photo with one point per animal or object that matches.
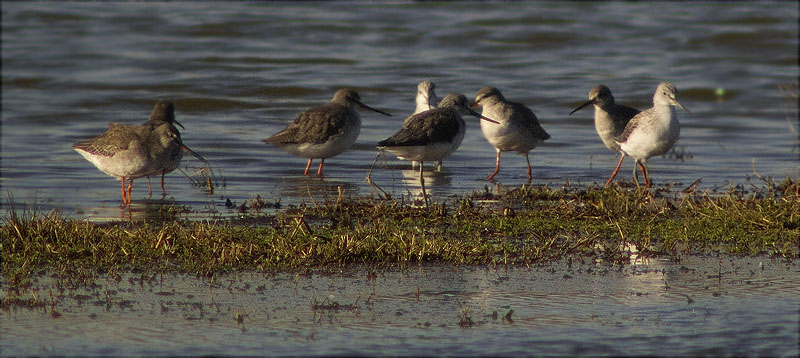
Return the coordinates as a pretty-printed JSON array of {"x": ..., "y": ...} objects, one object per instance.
[
  {"x": 334, "y": 146},
  {"x": 506, "y": 136},
  {"x": 655, "y": 138},
  {"x": 131, "y": 163}
]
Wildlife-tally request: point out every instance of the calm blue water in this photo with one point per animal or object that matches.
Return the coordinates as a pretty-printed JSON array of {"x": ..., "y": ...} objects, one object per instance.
[{"x": 240, "y": 72}]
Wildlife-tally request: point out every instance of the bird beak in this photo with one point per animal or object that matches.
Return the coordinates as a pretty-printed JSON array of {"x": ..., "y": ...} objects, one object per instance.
[
  {"x": 198, "y": 156},
  {"x": 474, "y": 104},
  {"x": 476, "y": 114},
  {"x": 372, "y": 109},
  {"x": 180, "y": 125},
  {"x": 677, "y": 104},
  {"x": 581, "y": 106}
]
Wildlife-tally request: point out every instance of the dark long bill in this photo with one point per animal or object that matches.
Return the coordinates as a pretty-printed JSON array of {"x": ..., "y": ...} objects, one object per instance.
[
  {"x": 198, "y": 156},
  {"x": 681, "y": 106},
  {"x": 181, "y": 125},
  {"x": 373, "y": 109},
  {"x": 476, "y": 114},
  {"x": 581, "y": 106}
]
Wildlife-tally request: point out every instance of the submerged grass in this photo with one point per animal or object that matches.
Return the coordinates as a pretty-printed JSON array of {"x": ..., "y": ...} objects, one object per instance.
[{"x": 520, "y": 226}]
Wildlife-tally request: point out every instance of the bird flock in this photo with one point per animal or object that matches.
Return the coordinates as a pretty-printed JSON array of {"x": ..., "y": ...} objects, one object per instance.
[{"x": 433, "y": 132}]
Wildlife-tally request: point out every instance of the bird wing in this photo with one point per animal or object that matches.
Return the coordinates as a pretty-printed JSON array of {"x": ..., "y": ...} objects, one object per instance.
[
  {"x": 315, "y": 125},
  {"x": 436, "y": 125},
  {"x": 117, "y": 138},
  {"x": 528, "y": 119},
  {"x": 631, "y": 126}
]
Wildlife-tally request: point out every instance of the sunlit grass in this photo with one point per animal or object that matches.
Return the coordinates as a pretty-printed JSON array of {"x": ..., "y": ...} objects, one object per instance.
[{"x": 521, "y": 226}]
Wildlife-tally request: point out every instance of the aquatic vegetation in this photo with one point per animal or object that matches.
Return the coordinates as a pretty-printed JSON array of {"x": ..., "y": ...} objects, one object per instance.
[{"x": 507, "y": 226}]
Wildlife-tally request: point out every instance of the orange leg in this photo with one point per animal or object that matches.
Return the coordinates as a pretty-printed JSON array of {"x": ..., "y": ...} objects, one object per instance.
[
  {"x": 308, "y": 166},
  {"x": 614, "y": 174},
  {"x": 124, "y": 197},
  {"x": 496, "y": 168},
  {"x": 163, "y": 191},
  {"x": 319, "y": 170},
  {"x": 644, "y": 172},
  {"x": 530, "y": 176},
  {"x": 130, "y": 187}
]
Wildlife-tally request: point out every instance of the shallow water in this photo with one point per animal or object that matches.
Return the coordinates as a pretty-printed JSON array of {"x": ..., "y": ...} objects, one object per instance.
[
  {"x": 239, "y": 73},
  {"x": 699, "y": 306}
]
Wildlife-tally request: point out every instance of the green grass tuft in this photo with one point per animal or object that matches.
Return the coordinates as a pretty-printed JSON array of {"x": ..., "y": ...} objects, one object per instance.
[{"x": 520, "y": 226}]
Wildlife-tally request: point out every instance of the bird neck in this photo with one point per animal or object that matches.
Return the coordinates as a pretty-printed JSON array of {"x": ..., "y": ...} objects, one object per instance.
[{"x": 664, "y": 111}]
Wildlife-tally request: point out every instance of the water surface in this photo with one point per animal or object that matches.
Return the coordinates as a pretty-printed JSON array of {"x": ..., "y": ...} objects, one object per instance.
[
  {"x": 239, "y": 73},
  {"x": 718, "y": 306}
]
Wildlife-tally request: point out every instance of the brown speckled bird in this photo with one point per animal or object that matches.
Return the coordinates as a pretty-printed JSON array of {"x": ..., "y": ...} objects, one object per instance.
[{"x": 324, "y": 131}]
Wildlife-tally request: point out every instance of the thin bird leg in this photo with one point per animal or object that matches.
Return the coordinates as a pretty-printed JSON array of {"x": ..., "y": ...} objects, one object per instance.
[
  {"x": 149, "y": 189},
  {"x": 163, "y": 191},
  {"x": 130, "y": 187},
  {"x": 614, "y": 174},
  {"x": 439, "y": 167},
  {"x": 308, "y": 166},
  {"x": 319, "y": 170},
  {"x": 530, "y": 176},
  {"x": 422, "y": 183},
  {"x": 644, "y": 172},
  {"x": 124, "y": 197},
  {"x": 636, "y": 177},
  {"x": 496, "y": 168}
]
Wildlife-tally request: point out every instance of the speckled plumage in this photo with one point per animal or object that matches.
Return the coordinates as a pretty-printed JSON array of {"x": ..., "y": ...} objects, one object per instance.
[
  {"x": 519, "y": 129},
  {"x": 433, "y": 134},
  {"x": 651, "y": 132},
  {"x": 323, "y": 131},
  {"x": 130, "y": 152}
]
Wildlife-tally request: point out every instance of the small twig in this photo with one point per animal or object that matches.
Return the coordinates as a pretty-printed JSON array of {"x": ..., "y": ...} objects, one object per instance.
[
  {"x": 308, "y": 189},
  {"x": 369, "y": 177},
  {"x": 692, "y": 187},
  {"x": 754, "y": 169}
]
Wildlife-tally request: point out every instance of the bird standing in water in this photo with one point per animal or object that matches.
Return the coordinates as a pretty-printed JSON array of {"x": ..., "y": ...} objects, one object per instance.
[
  {"x": 610, "y": 118},
  {"x": 164, "y": 112},
  {"x": 433, "y": 134},
  {"x": 324, "y": 131},
  {"x": 130, "y": 152},
  {"x": 651, "y": 132},
  {"x": 518, "y": 131},
  {"x": 426, "y": 100}
]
